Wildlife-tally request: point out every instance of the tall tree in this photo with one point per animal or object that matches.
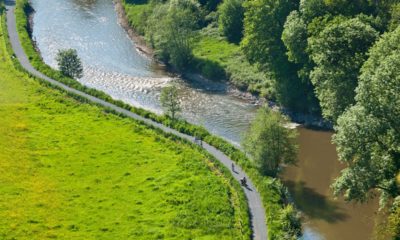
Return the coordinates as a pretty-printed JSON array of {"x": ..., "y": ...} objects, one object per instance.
[
  {"x": 231, "y": 14},
  {"x": 170, "y": 100},
  {"x": 368, "y": 134},
  {"x": 295, "y": 38},
  {"x": 171, "y": 31},
  {"x": 269, "y": 142},
  {"x": 69, "y": 63},
  {"x": 263, "y": 26},
  {"x": 339, "y": 52}
]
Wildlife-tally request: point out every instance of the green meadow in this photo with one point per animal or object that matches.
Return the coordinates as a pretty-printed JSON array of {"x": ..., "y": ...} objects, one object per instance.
[{"x": 71, "y": 170}]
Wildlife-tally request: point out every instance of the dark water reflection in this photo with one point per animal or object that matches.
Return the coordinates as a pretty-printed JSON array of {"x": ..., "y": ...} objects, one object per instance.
[
  {"x": 309, "y": 183},
  {"x": 314, "y": 204},
  {"x": 113, "y": 64}
]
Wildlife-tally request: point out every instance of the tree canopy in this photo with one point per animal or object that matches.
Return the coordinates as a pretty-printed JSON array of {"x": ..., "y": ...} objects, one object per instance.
[
  {"x": 170, "y": 100},
  {"x": 69, "y": 63},
  {"x": 172, "y": 27},
  {"x": 231, "y": 14},
  {"x": 368, "y": 134},
  {"x": 269, "y": 142},
  {"x": 338, "y": 53},
  {"x": 263, "y": 27}
]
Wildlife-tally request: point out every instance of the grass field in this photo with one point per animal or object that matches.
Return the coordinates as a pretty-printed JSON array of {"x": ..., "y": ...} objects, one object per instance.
[{"x": 72, "y": 171}]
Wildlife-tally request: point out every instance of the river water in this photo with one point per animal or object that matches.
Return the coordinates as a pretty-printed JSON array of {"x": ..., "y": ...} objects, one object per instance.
[{"x": 113, "y": 64}]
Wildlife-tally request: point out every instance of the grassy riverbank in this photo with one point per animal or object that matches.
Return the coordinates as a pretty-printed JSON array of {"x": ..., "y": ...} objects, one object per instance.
[
  {"x": 279, "y": 215},
  {"x": 214, "y": 57},
  {"x": 74, "y": 171}
]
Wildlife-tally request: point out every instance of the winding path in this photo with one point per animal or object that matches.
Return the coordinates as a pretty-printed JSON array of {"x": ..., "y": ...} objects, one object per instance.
[{"x": 257, "y": 213}]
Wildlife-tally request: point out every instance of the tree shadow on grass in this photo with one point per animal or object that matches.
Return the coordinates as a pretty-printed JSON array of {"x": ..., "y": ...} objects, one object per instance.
[
  {"x": 9, "y": 2},
  {"x": 137, "y": 2},
  {"x": 313, "y": 204},
  {"x": 210, "y": 69}
]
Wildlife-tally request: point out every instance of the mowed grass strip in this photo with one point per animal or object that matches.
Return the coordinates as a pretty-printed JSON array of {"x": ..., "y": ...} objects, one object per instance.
[{"x": 72, "y": 171}]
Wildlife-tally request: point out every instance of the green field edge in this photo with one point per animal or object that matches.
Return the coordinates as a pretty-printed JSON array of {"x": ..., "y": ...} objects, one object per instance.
[{"x": 274, "y": 194}]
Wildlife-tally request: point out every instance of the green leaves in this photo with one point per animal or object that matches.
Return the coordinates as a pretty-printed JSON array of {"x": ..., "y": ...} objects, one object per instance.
[
  {"x": 269, "y": 142},
  {"x": 170, "y": 30},
  {"x": 170, "y": 100},
  {"x": 368, "y": 134},
  {"x": 69, "y": 63},
  {"x": 295, "y": 38},
  {"x": 339, "y": 52},
  {"x": 231, "y": 14}
]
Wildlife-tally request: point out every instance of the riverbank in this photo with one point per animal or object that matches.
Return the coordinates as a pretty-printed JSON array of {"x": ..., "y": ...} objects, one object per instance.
[
  {"x": 279, "y": 215},
  {"x": 206, "y": 51},
  {"x": 140, "y": 42}
]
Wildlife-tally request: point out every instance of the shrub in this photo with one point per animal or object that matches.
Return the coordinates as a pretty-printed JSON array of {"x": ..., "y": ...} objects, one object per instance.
[
  {"x": 231, "y": 14},
  {"x": 69, "y": 63}
]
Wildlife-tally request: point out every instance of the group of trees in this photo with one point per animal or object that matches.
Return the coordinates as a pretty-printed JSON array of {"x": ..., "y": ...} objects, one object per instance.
[
  {"x": 368, "y": 133},
  {"x": 333, "y": 57},
  {"x": 348, "y": 53}
]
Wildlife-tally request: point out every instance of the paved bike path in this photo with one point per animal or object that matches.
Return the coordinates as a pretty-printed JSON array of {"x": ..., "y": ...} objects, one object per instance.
[{"x": 257, "y": 213}]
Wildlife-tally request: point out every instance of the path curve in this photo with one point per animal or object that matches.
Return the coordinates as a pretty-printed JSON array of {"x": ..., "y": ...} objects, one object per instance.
[{"x": 257, "y": 212}]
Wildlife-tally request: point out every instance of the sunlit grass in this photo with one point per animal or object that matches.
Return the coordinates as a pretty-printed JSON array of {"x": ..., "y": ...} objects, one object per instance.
[{"x": 72, "y": 171}]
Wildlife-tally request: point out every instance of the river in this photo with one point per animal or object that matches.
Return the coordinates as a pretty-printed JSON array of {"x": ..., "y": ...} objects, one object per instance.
[{"x": 113, "y": 64}]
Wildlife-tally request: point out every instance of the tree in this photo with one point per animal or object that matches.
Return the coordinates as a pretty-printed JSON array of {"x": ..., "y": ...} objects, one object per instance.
[
  {"x": 312, "y": 8},
  {"x": 269, "y": 142},
  {"x": 368, "y": 134},
  {"x": 69, "y": 63},
  {"x": 339, "y": 52},
  {"x": 170, "y": 100},
  {"x": 294, "y": 37},
  {"x": 394, "y": 16},
  {"x": 231, "y": 14},
  {"x": 171, "y": 30},
  {"x": 210, "y": 5},
  {"x": 262, "y": 44}
]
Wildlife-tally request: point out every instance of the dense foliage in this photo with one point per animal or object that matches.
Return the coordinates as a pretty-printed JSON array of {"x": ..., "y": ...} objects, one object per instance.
[
  {"x": 170, "y": 30},
  {"x": 231, "y": 19},
  {"x": 368, "y": 134},
  {"x": 263, "y": 26},
  {"x": 270, "y": 142},
  {"x": 69, "y": 63},
  {"x": 338, "y": 52}
]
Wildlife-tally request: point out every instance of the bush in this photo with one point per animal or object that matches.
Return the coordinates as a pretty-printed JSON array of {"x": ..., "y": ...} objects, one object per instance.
[
  {"x": 69, "y": 63},
  {"x": 231, "y": 14},
  {"x": 170, "y": 30}
]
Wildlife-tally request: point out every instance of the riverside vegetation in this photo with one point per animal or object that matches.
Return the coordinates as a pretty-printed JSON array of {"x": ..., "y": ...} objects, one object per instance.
[
  {"x": 334, "y": 58},
  {"x": 281, "y": 216},
  {"x": 61, "y": 177}
]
